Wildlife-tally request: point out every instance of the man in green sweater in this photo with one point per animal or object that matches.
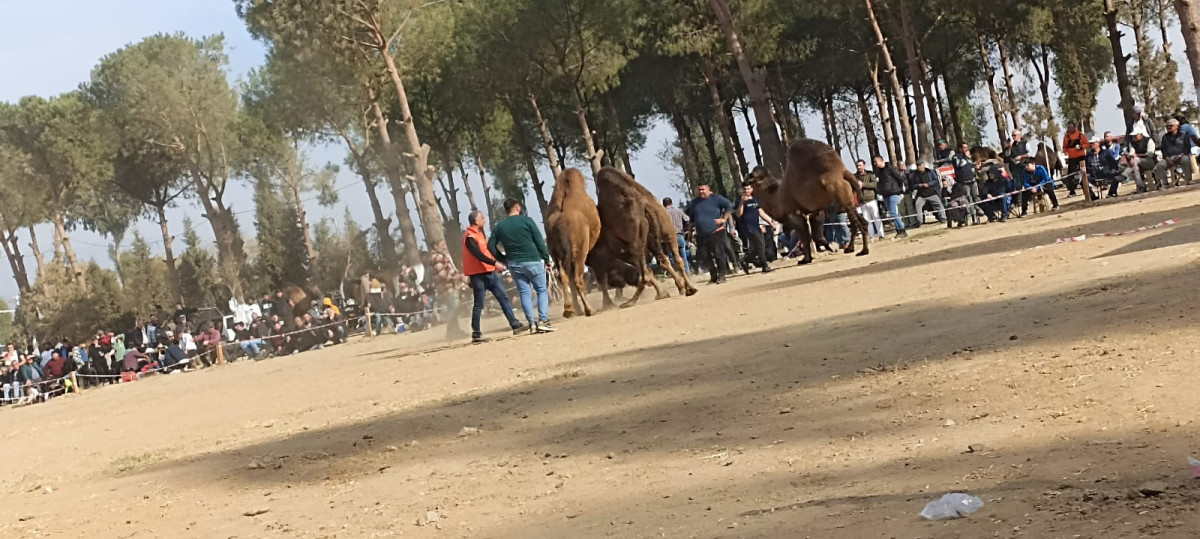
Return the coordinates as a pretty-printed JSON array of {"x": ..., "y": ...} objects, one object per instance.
[{"x": 518, "y": 243}]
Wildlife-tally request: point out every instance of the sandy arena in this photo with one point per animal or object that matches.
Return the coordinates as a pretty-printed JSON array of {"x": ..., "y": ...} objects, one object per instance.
[{"x": 828, "y": 401}]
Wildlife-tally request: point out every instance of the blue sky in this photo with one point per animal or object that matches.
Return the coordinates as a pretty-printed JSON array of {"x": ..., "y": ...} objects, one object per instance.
[{"x": 34, "y": 60}]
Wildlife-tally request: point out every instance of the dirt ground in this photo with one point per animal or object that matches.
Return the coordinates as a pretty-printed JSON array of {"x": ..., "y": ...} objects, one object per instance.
[{"x": 830, "y": 401}]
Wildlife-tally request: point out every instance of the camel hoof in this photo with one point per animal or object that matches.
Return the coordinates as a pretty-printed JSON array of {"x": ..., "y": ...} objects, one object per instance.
[
  {"x": 803, "y": 261},
  {"x": 664, "y": 295},
  {"x": 588, "y": 312},
  {"x": 568, "y": 314},
  {"x": 691, "y": 292},
  {"x": 848, "y": 250},
  {"x": 627, "y": 304},
  {"x": 863, "y": 252}
]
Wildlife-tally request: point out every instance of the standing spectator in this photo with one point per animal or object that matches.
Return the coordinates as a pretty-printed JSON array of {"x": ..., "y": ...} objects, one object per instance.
[
  {"x": 680, "y": 221},
  {"x": 868, "y": 207},
  {"x": 929, "y": 191},
  {"x": 480, "y": 267},
  {"x": 749, "y": 221},
  {"x": 517, "y": 242},
  {"x": 891, "y": 186},
  {"x": 1016, "y": 153},
  {"x": 1036, "y": 179},
  {"x": 1075, "y": 145},
  {"x": 130, "y": 363},
  {"x": 709, "y": 214},
  {"x": 943, "y": 154},
  {"x": 1176, "y": 148},
  {"x": 10, "y": 389},
  {"x": 964, "y": 174}
]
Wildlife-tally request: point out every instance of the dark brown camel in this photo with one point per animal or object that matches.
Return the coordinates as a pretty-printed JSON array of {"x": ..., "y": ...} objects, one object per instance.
[
  {"x": 815, "y": 180},
  {"x": 634, "y": 227},
  {"x": 572, "y": 229}
]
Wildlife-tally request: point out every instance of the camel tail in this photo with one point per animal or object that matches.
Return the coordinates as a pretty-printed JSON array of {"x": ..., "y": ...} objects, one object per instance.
[{"x": 854, "y": 185}]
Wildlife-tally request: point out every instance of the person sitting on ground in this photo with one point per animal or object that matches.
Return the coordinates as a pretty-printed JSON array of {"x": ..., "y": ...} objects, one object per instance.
[
  {"x": 334, "y": 325},
  {"x": 1100, "y": 169},
  {"x": 173, "y": 357},
  {"x": 929, "y": 191},
  {"x": 1176, "y": 148},
  {"x": 133, "y": 359},
  {"x": 249, "y": 344},
  {"x": 958, "y": 203},
  {"x": 1036, "y": 179}
]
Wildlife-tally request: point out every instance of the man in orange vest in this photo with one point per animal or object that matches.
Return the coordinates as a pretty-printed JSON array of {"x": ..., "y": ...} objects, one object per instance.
[
  {"x": 1075, "y": 145},
  {"x": 480, "y": 267}
]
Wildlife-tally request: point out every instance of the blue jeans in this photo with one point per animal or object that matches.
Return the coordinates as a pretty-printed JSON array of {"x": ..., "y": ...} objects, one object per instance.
[
  {"x": 684, "y": 252},
  {"x": 480, "y": 285},
  {"x": 838, "y": 230},
  {"x": 251, "y": 347},
  {"x": 531, "y": 277},
  {"x": 893, "y": 208}
]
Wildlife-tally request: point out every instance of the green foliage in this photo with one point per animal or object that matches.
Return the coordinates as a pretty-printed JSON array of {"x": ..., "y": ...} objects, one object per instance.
[
  {"x": 281, "y": 258},
  {"x": 67, "y": 311},
  {"x": 198, "y": 281},
  {"x": 345, "y": 253},
  {"x": 145, "y": 278}
]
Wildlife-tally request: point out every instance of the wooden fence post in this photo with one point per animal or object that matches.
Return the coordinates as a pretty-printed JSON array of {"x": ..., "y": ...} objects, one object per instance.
[
  {"x": 367, "y": 318},
  {"x": 75, "y": 383},
  {"x": 1083, "y": 180}
]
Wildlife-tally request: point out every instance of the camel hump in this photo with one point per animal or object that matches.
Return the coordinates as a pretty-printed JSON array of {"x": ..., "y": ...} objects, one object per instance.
[{"x": 808, "y": 155}]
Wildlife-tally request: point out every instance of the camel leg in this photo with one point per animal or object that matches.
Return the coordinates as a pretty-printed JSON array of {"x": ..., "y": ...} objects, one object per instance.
[
  {"x": 569, "y": 291},
  {"x": 817, "y": 227},
  {"x": 853, "y": 222},
  {"x": 806, "y": 246},
  {"x": 639, "y": 261},
  {"x": 668, "y": 263},
  {"x": 580, "y": 287},
  {"x": 858, "y": 225},
  {"x": 648, "y": 276}
]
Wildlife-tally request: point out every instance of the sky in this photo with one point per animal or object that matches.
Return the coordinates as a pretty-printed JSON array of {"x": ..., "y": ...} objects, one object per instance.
[{"x": 34, "y": 61}]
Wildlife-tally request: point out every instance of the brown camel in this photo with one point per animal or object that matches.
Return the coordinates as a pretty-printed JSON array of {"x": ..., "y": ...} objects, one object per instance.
[
  {"x": 634, "y": 227},
  {"x": 815, "y": 180},
  {"x": 572, "y": 229}
]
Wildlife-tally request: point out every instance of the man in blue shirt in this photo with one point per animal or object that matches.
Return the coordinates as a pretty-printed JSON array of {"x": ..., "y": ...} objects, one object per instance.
[
  {"x": 1036, "y": 179},
  {"x": 709, "y": 213},
  {"x": 750, "y": 219}
]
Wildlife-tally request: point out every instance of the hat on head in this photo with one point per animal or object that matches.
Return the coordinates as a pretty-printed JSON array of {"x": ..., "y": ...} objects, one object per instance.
[
  {"x": 1139, "y": 109},
  {"x": 1172, "y": 121}
]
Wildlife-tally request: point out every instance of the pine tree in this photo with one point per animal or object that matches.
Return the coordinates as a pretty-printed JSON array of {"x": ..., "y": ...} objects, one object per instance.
[
  {"x": 197, "y": 270},
  {"x": 145, "y": 279},
  {"x": 282, "y": 258}
]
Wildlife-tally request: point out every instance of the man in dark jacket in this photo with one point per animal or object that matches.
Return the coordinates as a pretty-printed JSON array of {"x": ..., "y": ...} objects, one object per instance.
[
  {"x": 1015, "y": 152},
  {"x": 964, "y": 174},
  {"x": 929, "y": 191},
  {"x": 1141, "y": 159},
  {"x": 891, "y": 187},
  {"x": 1176, "y": 148},
  {"x": 996, "y": 189},
  {"x": 1100, "y": 170}
]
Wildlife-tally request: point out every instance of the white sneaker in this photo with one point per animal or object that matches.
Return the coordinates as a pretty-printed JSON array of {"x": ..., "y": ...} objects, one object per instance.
[{"x": 545, "y": 327}]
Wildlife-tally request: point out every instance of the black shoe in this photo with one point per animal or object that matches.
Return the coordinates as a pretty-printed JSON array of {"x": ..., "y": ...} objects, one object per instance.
[
  {"x": 519, "y": 328},
  {"x": 902, "y": 234},
  {"x": 478, "y": 339},
  {"x": 720, "y": 280},
  {"x": 767, "y": 269}
]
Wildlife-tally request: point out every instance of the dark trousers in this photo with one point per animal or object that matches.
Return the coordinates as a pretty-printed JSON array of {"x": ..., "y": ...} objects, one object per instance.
[
  {"x": 756, "y": 247},
  {"x": 482, "y": 284},
  {"x": 1027, "y": 197},
  {"x": 712, "y": 254},
  {"x": 1072, "y": 181}
]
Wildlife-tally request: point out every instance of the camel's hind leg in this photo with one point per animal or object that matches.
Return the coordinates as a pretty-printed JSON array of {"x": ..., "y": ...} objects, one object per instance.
[
  {"x": 672, "y": 261},
  {"x": 639, "y": 261},
  {"x": 580, "y": 287},
  {"x": 805, "y": 236},
  {"x": 858, "y": 225},
  {"x": 569, "y": 291}
]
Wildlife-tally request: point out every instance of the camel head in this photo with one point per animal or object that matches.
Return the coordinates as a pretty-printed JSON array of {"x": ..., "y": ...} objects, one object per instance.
[{"x": 766, "y": 189}]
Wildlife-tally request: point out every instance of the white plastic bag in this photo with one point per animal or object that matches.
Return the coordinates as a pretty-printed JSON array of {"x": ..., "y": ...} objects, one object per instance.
[
  {"x": 1195, "y": 464},
  {"x": 954, "y": 505}
]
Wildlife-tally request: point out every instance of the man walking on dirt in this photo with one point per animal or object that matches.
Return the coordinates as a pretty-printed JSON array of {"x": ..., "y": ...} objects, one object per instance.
[
  {"x": 709, "y": 214},
  {"x": 868, "y": 207},
  {"x": 891, "y": 187},
  {"x": 749, "y": 220},
  {"x": 480, "y": 267},
  {"x": 517, "y": 242},
  {"x": 680, "y": 220}
]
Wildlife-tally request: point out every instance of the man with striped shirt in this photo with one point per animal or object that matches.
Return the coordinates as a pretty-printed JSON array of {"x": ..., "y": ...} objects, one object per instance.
[{"x": 680, "y": 220}]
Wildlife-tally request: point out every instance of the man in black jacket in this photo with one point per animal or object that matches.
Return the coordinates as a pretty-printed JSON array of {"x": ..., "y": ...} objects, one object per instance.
[
  {"x": 891, "y": 186},
  {"x": 1176, "y": 148},
  {"x": 929, "y": 191},
  {"x": 964, "y": 174},
  {"x": 1140, "y": 159}
]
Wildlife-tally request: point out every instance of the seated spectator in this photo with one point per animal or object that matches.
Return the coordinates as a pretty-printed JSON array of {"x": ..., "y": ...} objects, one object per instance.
[
  {"x": 10, "y": 389},
  {"x": 334, "y": 326},
  {"x": 207, "y": 342},
  {"x": 1101, "y": 169},
  {"x": 173, "y": 356},
  {"x": 249, "y": 343},
  {"x": 1141, "y": 159},
  {"x": 57, "y": 366},
  {"x": 1176, "y": 148},
  {"x": 135, "y": 359},
  {"x": 996, "y": 205}
]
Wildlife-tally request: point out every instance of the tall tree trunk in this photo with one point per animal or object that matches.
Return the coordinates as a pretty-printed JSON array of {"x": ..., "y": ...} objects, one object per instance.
[
  {"x": 1189, "y": 25},
  {"x": 864, "y": 110},
  {"x": 302, "y": 219},
  {"x": 990, "y": 75},
  {"x": 943, "y": 130},
  {"x": 527, "y": 150},
  {"x": 169, "y": 254},
  {"x": 910, "y": 152},
  {"x": 758, "y": 159},
  {"x": 1144, "y": 64},
  {"x": 408, "y": 231},
  {"x": 1043, "y": 73},
  {"x": 383, "y": 224},
  {"x": 1120, "y": 60},
  {"x": 908, "y": 35},
  {"x": 755, "y": 80},
  {"x": 454, "y": 214},
  {"x": 114, "y": 254},
  {"x": 426, "y": 206},
  {"x": 9, "y": 241},
  {"x": 885, "y": 119},
  {"x": 739, "y": 151},
  {"x": 931, "y": 95},
  {"x": 547, "y": 140},
  {"x": 687, "y": 146},
  {"x": 622, "y": 141},
  {"x": 224, "y": 227},
  {"x": 722, "y": 121},
  {"x": 1013, "y": 110},
  {"x": 462, "y": 173},
  {"x": 714, "y": 159},
  {"x": 37, "y": 253},
  {"x": 1163, "y": 6},
  {"x": 19, "y": 259},
  {"x": 594, "y": 156},
  {"x": 955, "y": 117},
  {"x": 896, "y": 130},
  {"x": 483, "y": 184},
  {"x": 833, "y": 126},
  {"x": 60, "y": 226}
]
